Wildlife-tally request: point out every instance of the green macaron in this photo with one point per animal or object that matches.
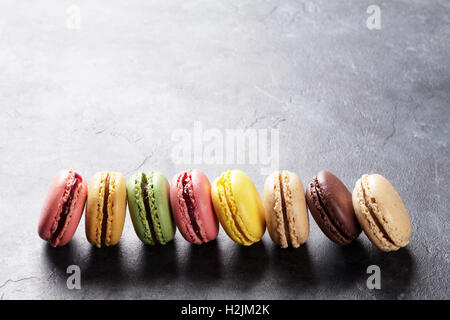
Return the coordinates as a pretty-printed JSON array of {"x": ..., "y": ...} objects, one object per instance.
[{"x": 149, "y": 205}]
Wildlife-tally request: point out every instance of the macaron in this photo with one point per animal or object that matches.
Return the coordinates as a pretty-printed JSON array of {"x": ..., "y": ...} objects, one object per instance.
[
  {"x": 149, "y": 206},
  {"x": 381, "y": 212},
  {"x": 285, "y": 209},
  {"x": 63, "y": 208},
  {"x": 331, "y": 206},
  {"x": 105, "y": 209},
  {"x": 192, "y": 208},
  {"x": 239, "y": 207}
]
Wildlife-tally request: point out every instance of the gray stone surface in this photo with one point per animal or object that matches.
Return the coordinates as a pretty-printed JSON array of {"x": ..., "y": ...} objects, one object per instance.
[{"x": 111, "y": 94}]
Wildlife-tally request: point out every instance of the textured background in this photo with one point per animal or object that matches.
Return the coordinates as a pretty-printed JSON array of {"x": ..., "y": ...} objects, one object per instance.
[{"x": 109, "y": 95}]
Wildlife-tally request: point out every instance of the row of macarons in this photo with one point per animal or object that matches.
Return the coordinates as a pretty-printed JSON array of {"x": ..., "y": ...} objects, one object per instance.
[{"x": 195, "y": 206}]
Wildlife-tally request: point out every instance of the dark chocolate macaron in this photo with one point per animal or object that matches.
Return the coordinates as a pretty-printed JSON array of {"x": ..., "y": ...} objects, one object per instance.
[{"x": 331, "y": 206}]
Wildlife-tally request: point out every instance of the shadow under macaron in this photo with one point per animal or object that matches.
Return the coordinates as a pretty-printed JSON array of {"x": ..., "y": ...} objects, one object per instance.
[
  {"x": 293, "y": 267},
  {"x": 248, "y": 264},
  {"x": 59, "y": 258},
  {"x": 104, "y": 266},
  {"x": 345, "y": 266},
  {"x": 204, "y": 262},
  {"x": 157, "y": 262},
  {"x": 398, "y": 270}
]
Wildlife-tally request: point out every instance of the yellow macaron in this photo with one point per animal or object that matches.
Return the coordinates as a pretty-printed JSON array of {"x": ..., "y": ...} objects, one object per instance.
[
  {"x": 238, "y": 207},
  {"x": 106, "y": 208}
]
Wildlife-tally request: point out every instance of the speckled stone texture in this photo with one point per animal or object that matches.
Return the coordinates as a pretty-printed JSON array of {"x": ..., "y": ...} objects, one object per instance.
[{"x": 109, "y": 95}]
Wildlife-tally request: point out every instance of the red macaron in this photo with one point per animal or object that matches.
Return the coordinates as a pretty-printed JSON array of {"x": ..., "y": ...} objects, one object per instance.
[
  {"x": 190, "y": 197},
  {"x": 63, "y": 208}
]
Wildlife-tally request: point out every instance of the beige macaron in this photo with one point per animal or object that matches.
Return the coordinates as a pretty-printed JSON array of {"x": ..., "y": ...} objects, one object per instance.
[
  {"x": 105, "y": 209},
  {"x": 381, "y": 212},
  {"x": 285, "y": 209}
]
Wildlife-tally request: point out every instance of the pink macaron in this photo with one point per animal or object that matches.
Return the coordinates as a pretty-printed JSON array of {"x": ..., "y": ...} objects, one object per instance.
[
  {"x": 190, "y": 197},
  {"x": 63, "y": 208}
]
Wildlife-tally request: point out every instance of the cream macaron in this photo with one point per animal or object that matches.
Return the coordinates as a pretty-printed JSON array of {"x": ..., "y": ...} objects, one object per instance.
[
  {"x": 285, "y": 209},
  {"x": 381, "y": 212},
  {"x": 106, "y": 208}
]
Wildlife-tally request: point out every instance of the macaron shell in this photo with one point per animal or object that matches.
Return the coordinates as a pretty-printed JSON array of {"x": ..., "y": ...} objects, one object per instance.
[
  {"x": 137, "y": 209},
  {"x": 76, "y": 212},
  {"x": 164, "y": 226},
  {"x": 320, "y": 216},
  {"x": 295, "y": 231},
  {"x": 367, "y": 222},
  {"x": 180, "y": 210},
  {"x": 273, "y": 210},
  {"x": 339, "y": 200},
  {"x": 94, "y": 208},
  {"x": 53, "y": 205},
  {"x": 224, "y": 213},
  {"x": 331, "y": 206},
  {"x": 203, "y": 203},
  {"x": 116, "y": 208},
  {"x": 249, "y": 205},
  {"x": 381, "y": 212},
  {"x": 117, "y": 205},
  {"x": 272, "y": 204},
  {"x": 296, "y": 209},
  {"x": 394, "y": 217},
  {"x": 239, "y": 207}
]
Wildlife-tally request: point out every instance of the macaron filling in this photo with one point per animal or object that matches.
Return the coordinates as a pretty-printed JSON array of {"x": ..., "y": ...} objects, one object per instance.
[
  {"x": 189, "y": 200},
  {"x": 321, "y": 206},
  {"x": 148, "y": 211},
  {"x": 64, "y": 215},
  {"x": 105, "y": 211},
  {"x": 288, "y": 215},
  {"x": 369, "y": 207},
  {"x": 283, "y": 221}
]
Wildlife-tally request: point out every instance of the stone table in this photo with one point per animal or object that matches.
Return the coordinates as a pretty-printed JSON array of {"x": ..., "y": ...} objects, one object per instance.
[{"x": 124, "y": 86}]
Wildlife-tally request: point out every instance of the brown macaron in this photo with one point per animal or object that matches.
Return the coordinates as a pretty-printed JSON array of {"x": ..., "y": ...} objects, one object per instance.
[{"x": 330, "y": 203}]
